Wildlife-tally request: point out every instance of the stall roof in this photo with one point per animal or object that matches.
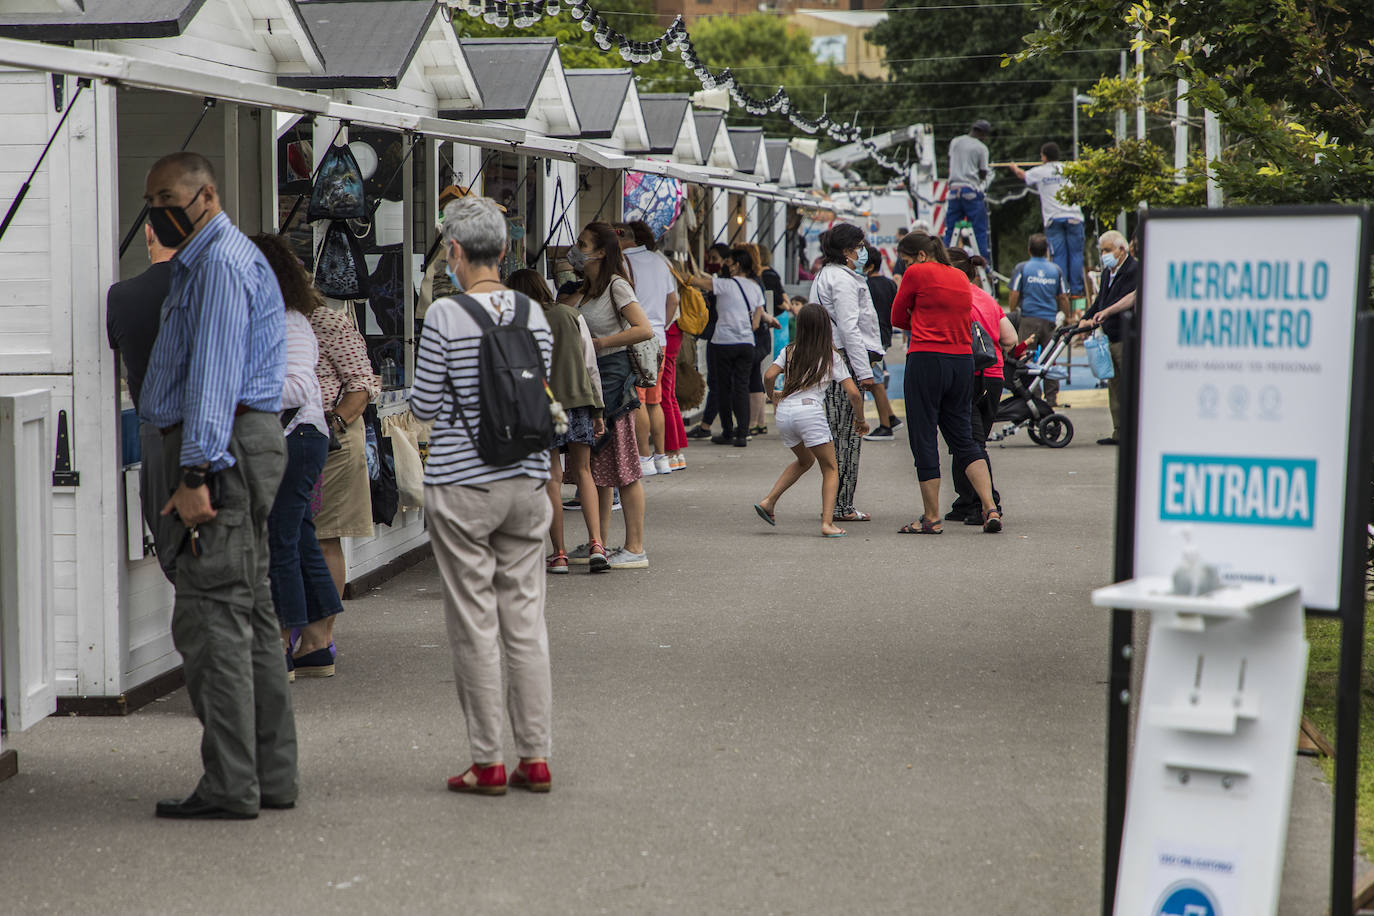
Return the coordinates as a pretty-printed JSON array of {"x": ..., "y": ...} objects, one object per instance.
[
  {"x": 599, "y": 96},
  {"x": 137, "y": 20},
  {"x": 508, "y": 73},
  {"x": 366, "y": 43},
  {"x": 781, "y": 169},
  {"x": 805, "y": 168},
  {"x": 747, "y": 142},
  {"x": 132, "y": 71},
  {"x": 104, "y": 19},
  {"x": 708, "y": 125},
  {"x": 663, "y": 116}
]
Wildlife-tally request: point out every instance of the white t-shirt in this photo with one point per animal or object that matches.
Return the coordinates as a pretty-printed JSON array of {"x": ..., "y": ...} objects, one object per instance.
[
  {"x": 654, "y": 282},
  {"x": 603, "y": 314},
  {"x": 838, "y": 373},
  {"x": 1047, "y": 179},
  {"x": 735, "y": 321}
]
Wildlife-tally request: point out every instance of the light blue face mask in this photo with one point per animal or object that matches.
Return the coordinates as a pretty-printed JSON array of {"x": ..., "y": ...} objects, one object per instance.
[
  {"x": 1109, "y": 260},
  {"x": 453, "y": 277},
  {"x": 861, "y": 260}
]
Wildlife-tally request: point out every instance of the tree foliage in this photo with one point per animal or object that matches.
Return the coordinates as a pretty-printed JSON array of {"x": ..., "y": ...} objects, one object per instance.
[
  {"x": 947, "y": 70},
  {"x": 764, "y": 51},
  {"x": 1292, "y": 83}
]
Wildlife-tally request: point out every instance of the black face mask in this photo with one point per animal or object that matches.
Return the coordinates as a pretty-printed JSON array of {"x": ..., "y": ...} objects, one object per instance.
[{"x": 172, "y": 225}]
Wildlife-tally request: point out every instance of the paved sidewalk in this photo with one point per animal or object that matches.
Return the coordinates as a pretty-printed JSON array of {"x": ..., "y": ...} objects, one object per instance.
[{"x": 763, "y": 722}]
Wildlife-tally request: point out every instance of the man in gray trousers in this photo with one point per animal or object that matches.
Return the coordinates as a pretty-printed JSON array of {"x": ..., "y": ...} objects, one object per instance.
[{"x": 214, "y": 388}]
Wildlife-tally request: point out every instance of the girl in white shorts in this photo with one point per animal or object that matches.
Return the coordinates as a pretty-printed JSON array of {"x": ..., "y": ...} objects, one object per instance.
[{"x": 811, "y": 365}]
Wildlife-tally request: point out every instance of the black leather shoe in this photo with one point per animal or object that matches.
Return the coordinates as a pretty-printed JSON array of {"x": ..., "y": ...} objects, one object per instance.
[
  {"x": 277, "y": 805},
  {"x": 193, "y": 807}
]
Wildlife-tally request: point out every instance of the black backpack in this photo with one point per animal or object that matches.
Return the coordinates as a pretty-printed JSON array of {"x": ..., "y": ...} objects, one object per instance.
[{"x": 514, "y": 419}]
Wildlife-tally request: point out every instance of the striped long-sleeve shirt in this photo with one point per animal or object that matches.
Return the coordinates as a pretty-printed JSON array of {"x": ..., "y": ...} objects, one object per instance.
[
  {"x": 445, "y": 369},
  {"x": 302, "y": 387},
  {"x": 222, "y": 343}
]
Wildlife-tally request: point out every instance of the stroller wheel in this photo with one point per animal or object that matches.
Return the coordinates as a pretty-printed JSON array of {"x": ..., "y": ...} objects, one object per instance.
[
  {"x": 1055, "y": 431},
  {"x": 1033, "y": 430}
]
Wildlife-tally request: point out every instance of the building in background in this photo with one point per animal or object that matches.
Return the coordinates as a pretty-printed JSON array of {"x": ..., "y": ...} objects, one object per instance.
[
  {"x": 691, "y": 10},
  {"x": 840, "y": 37}
]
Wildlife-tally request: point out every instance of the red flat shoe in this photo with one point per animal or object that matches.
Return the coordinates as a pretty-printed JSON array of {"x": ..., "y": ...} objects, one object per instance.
[
  {"x": 533, "y": 776},
  {"x": 486, "y": 780}
]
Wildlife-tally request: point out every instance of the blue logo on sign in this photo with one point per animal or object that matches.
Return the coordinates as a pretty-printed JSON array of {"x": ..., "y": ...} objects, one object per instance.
[
  {"x": 1187, "y": 898},
  {"x": 1238, "y": 491}
]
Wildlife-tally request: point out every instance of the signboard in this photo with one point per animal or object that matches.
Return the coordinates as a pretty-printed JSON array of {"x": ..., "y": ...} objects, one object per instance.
[{"x": 1246, "y": 354}]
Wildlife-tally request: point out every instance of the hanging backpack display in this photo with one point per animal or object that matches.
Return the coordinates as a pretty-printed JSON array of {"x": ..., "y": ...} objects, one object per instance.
[
  {"x": 386, "y": 496},
  {"x": 338, "y": 191},
  {"x": 513, "y": 417},
  {"x": 340, "y": 270}
]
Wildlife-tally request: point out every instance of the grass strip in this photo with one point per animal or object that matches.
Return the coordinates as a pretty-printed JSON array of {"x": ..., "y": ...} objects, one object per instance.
[{"x": 1319, "y": 703}]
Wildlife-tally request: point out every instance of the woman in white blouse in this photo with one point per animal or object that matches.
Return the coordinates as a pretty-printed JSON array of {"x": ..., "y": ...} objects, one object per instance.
[
  {"x": 841, "y": 288},
  {"x": 303, "y": 592}
]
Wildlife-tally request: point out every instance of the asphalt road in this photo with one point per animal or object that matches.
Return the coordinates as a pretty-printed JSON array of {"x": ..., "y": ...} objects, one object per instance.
[{"x": 763, "y": 722}]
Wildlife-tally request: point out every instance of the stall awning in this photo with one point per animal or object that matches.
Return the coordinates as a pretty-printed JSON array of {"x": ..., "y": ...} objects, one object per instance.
[{"x": 129, "y": 71}]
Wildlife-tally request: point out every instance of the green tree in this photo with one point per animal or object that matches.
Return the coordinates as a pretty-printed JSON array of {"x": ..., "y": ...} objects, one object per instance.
[
  {"x": 764, "y": 51},
  {"x": 947, "y": 71},
  {"x": 1292, "y": 83}
]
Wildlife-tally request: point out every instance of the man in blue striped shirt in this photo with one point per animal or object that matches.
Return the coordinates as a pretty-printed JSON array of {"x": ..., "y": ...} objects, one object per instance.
[{"x": 213, "y": 388}]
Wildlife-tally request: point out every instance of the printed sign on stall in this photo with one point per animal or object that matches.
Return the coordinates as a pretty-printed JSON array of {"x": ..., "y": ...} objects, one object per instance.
[{"x": 1247, "y": 342}]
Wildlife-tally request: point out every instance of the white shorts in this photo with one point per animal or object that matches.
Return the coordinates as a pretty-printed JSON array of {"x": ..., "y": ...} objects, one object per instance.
[{"x": 801, "y": 421}]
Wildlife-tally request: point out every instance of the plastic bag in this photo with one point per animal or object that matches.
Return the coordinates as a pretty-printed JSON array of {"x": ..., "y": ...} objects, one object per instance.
[{"x": 1099, "y": 357}]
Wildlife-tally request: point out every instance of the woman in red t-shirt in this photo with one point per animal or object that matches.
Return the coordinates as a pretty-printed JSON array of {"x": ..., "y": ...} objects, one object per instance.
[
  {"x": 934, "y": 304},
  {"x": 987, "y": 385}
]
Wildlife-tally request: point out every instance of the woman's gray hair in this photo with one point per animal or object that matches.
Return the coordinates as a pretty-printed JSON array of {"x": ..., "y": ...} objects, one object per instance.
[{"x": 477, "y": 225}]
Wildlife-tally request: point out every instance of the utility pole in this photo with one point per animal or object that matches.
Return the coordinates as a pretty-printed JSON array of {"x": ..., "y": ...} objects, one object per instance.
[
  {"x": 1211, "y": 130},
  {"x": 1181, "y": 133},
  {"x": 1120, "y": 137},
  {"x": 1140, "y": 88},
  {"x": 1075, "y": 123}
]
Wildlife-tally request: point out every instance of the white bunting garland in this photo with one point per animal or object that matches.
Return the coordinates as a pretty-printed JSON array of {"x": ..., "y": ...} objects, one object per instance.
[{"x": 675, "y": 39}]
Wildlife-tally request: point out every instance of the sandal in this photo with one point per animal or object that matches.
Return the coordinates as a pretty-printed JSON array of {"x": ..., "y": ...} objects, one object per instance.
[
  {"x": 758, "y": 430},
  {"x": 992, "y": 522},
  {"x": 558, "y": 563},
  {"x": 835, "y": 534},
  {"x": 765, "y": 515},
  {"x": 923, "y": 526},
  {"x": 856, "y": 517}
]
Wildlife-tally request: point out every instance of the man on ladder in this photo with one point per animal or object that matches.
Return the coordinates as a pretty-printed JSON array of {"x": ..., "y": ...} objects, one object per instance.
[{"x": 967, "y": 206}]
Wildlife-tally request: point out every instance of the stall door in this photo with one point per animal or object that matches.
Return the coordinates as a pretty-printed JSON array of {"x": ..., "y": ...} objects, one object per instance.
[
  {"x": 26, "y": 580},
  {"x": 35, "y": 273}
]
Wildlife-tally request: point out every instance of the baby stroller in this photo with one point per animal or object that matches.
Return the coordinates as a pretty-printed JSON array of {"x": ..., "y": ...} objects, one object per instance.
[{"x": 1025, "y": 404}]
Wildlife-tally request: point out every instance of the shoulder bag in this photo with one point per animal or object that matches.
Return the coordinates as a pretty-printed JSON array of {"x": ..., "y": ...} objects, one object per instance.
[
  {"x": 644, "y": 356},
  {"x": 984, "y": 350}
]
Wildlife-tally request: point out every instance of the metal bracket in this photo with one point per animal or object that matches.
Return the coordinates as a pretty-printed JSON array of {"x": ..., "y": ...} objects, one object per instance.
[
  {"x": 62, "y": 473},
  {"x": 59, "y": 91}
]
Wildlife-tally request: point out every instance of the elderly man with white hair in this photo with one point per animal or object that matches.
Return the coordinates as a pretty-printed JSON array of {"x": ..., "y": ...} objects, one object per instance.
[
  {"x": 486, "y": 522},
  {"x": 1115, "y": 295}
]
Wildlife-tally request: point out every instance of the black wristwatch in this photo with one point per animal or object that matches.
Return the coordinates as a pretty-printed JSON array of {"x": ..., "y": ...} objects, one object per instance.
[{"x": 193, "y": 478}]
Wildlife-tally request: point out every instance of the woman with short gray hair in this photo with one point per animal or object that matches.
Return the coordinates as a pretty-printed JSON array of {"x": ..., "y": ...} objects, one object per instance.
[{"x": 486, "y": 522}]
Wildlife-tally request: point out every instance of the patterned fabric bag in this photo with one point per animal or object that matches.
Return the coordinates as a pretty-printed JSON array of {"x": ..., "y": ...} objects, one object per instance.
[
  {"x": 338, "y": 191},
  {"x": 340, "y": 270}
]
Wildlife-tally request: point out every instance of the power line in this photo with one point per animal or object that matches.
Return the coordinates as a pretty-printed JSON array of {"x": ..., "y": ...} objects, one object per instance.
[
  {"x": 893, "y": 9},
  {"x": 922, "y": 60}
]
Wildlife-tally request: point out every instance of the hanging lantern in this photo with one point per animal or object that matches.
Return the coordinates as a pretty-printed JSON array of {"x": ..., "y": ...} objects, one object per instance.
[{"x": 551, "y": 8}]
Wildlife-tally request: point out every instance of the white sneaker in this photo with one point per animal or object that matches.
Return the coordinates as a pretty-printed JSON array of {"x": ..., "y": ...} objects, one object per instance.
[
  {"x": 678, "y": 463},
  {"x": 647, "y": 468},
  {"x": 662, "y": 464},
  {"x": 621, "y": 558}
]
